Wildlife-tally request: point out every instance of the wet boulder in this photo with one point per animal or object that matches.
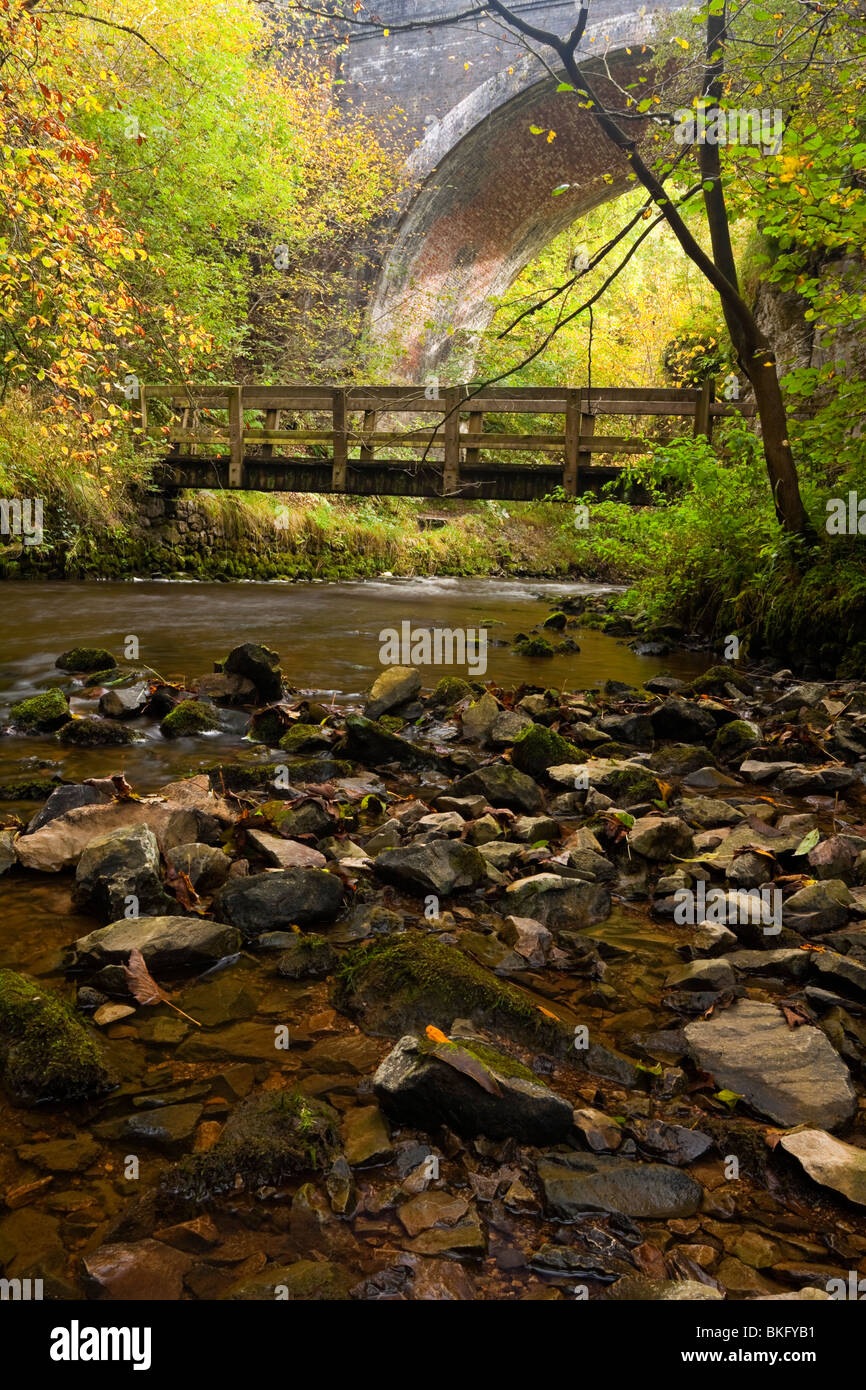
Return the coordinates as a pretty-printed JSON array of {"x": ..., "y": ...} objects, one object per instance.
[
  {"x": 660, "y": 838},
  {"x": 46, "y": 1052},
  {"x": 560, "y": 904},
  {"x": 441, "y": 867},
  {"x": 392, "y": 688},
  {"x": 86, "y": 660},
  {"x": 61, "y": 843},
  {"x": 267, "y": 1138},
  {"x": 735, "y": 739},
  {"x": 124, "y": 704},
  {"x": 470, "y": 1087},
  {"x": 502, "y": 785},
  {"x": 793, "y": 1076},
  {"x": 167, "y": 943},
  {"x": 829, "y": 1162},
  {"x": 677, "y": 720},
  {"x": 259, "y": 665},
  {"x": 538, "y": 748},
  {"x": 369, "y": 743},
  {"x": 818, "y": 908},
  {"x": 41, "y": 713},
  {"x": 279, "y": 898},
  {"x": 205, "y": 866},
  {"x": 63, "y": 799},
  {"x": 189, "y": 718},
  {"x": 94, "y": 733},
  {"x": 576, "y": 1183},
  {"x": 120, "y": 870},
  {"x": 306, "y": 957}
]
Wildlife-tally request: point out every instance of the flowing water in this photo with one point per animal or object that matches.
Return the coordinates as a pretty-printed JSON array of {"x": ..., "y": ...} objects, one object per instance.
[{"x": 327, "y": 637}]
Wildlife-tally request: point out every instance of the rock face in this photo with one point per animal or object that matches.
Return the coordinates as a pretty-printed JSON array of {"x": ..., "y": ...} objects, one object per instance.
[
  {"x": 560, "y": 904},
  {"x": 283, "y": 898},
  {"x": 417, "y": 1085},
  {"x": 575, "y": 1183},
  {"x": 829, "y": 1162},
  {"x": 392, "y": 688},
  {"x": 792, "y": 1075},
  {"x": 146, "y": 1270},
  {"x": 165, "y": 942},
  {"x": 119, "y": 866},
  {"x": 442, "y": 867}
]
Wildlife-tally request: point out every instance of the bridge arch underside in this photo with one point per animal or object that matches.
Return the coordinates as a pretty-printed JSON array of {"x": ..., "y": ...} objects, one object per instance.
[{"x": 484, "y": 213}]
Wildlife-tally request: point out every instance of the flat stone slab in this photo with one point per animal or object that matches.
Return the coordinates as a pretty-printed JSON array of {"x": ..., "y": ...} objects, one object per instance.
[
  {"x": 285, "y": 854},
  {"x": 575, "y": 1183},
  {"x": 165, "y": 942},
  {"x": 829, "y": 1162},
  {"x": 793, "y": 1076}
]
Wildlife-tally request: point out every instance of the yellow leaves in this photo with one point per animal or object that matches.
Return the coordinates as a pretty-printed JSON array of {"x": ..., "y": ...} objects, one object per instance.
[
  {"x": 683, "y": 43},
  {"x": 551, "y": 136},
  {"x": 547, "y": 1014}
]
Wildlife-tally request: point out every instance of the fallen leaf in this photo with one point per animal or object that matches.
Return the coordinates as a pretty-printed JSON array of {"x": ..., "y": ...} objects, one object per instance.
[
  {"x": 454, "y": 1056},
  {"x": 435, "y": 1034}
]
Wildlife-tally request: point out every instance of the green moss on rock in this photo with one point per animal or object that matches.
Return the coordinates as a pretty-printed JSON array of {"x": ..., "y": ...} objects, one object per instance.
[
  {"x": 305, "y": 738},
  {"x": 417, "y": 980},
  {"x": 47, "y": 1053},
  {"x": 86, "y": 660},
  {"x": 95, "y": 733},
  {"x": 269, "y": 1137},
  {"x": 41, "y": 713},
  {"x": 537, "y": 748},
  {"x": 188, "y": 718},
  {"x": 532, "y": 646},
  {"x": 450, "y": 691}
]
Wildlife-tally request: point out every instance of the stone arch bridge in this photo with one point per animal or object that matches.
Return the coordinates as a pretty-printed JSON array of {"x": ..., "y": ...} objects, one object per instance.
[{"x": 480, "y": 205}]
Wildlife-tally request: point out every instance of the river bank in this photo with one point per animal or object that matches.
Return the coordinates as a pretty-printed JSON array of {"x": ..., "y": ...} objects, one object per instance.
[{"x": 486, "y": 995}]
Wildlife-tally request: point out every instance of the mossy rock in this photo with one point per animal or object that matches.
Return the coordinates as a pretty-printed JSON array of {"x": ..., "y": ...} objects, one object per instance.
[
  {"x": 305, "y": 738},
  {"x": 736, "y": 738},
  {"x": 715, "y": 678},
  {"x": 416, "y": 980},
  {"x": 41, "y": 713},
  {"x": 94, "y": 733},
  {"x": 678, "y": 759},
  {"x": 532, "y": 646},
  {"x": 449, "y": 692},
  {"x": 268, "y": 726},
  {"x": 309, "y": 957},
  {"x": 556, "y": 621},
  {"x": 37, "y": 790},
  {"x": 538, "y": 748},
  {"x": 305, "y": 1281},
  {"x": 629, "y": 786},
  {"x": 268, "y": 1138},
  {"x": 86, "y": 660},
  {"x": 47, "y": 1052},
  {"x": 188, "y": 718}
]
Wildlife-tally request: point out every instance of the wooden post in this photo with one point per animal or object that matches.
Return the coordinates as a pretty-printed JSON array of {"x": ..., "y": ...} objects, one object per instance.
[
  {"x": 236, "y": 436},
  {"x": 476, "y": 426},
  {"x": 702, "y": 410},
  {"x": 341, "y": 441},
  {"x": 272, "y": 422},
  {"x": 451, "y": 429},
  {"x": 369, "y": 427},
  {"x": 587, "y": 430},
  {"x": 572, "y": 442}
]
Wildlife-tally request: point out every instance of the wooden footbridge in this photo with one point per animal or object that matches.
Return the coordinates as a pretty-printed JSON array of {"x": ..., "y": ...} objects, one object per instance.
[{"x": 381, "y": 440}]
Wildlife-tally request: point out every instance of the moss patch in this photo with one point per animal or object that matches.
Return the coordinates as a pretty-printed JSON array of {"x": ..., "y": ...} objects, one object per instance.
[
  {"x": 86, "y": 660},
  {"x": 41, "y": 712},
  {"x": 188, "y": 718},
  {"x": 538, "y": 748},
  {"x": 269, "y": 1137},
  {"x": 417, "y": 980},
  {"x": 47, "y": 1053}
]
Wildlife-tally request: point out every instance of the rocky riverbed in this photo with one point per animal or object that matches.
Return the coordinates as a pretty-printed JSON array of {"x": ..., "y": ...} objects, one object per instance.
[{"x": 457, "y": 993}]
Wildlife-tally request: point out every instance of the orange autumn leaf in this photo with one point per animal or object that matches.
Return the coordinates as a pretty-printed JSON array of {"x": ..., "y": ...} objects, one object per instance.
[
  {"x": 435, "y": 1034},
  {"x": 547, "y": 1013}
]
